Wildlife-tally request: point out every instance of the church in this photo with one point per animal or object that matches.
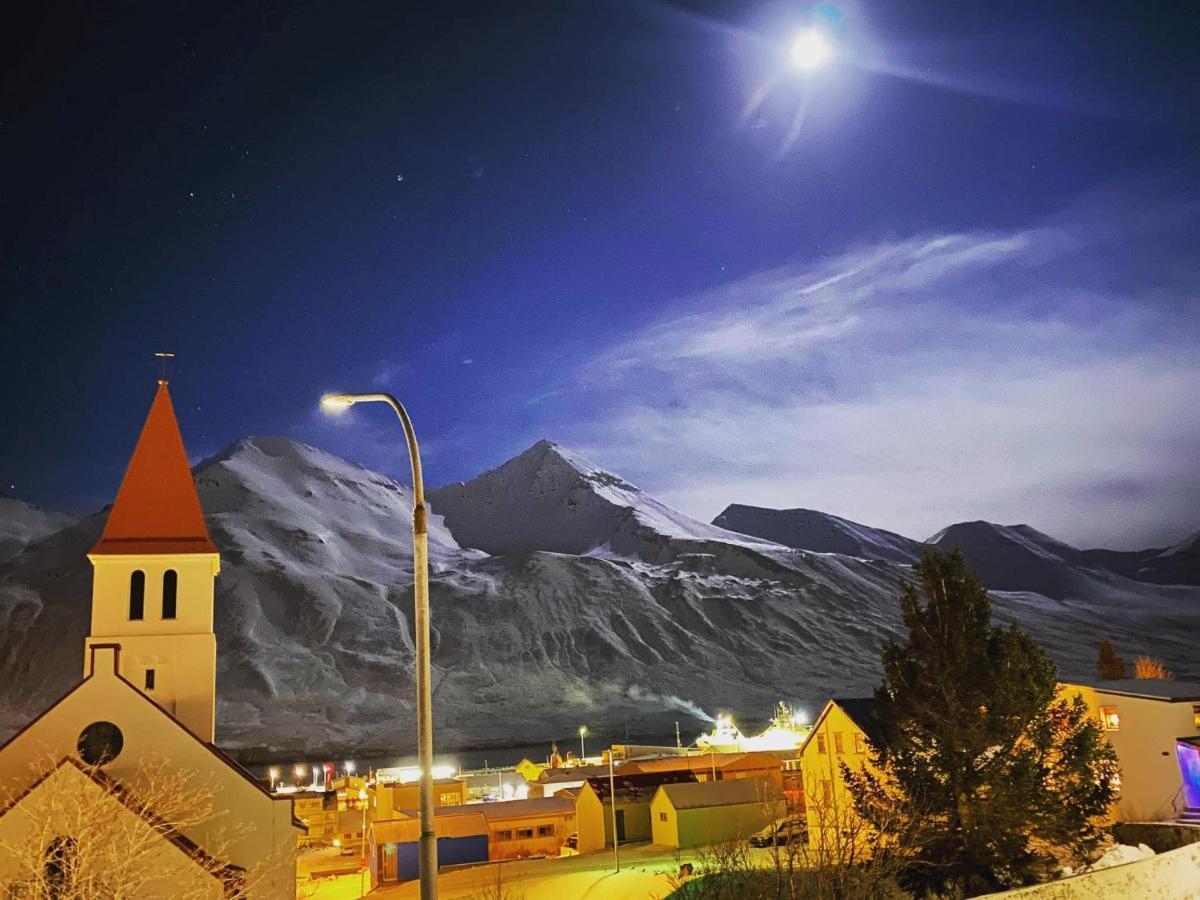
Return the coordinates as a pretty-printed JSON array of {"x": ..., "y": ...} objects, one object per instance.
[{"x": 118, "y": 788}]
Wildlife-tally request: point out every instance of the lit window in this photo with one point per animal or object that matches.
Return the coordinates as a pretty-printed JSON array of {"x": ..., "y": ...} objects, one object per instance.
[
  {"x": 149, "y": 679},
  {"x": 860, "y": 744},
  {"x": 170, "y": 591},
  {"x": 821, "y": 743},
  {"x": 137, "y": 595},
  {"x": 1109, "y": 718},
  {"x": 837, "y": 744}
]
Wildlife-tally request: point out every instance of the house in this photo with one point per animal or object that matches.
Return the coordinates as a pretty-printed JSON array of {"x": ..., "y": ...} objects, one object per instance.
[
  {"x": 713, "y": 812},
  {"x": 518, "y": 829},
  {"x": 553, "y": 781},
  {"x": 392, "y": 844},
  {"x": 1154, "y": 727},
  {"x": 136, "y": 734},
  {"x": 843, "y": 733},
  {"x": 715, "y": 766},
  {"x": 387, "y": 799},
  {"x": 594, "y": 807},
  {"x": 318, "y": 810}
]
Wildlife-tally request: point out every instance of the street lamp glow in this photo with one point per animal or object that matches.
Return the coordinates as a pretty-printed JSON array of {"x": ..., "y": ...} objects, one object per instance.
[
  {"x": 335, "y": 403},
  {"x": 299, "y": 770},
  {"x": 811, "y": 50},
  {"x": 349, "y": 767}
]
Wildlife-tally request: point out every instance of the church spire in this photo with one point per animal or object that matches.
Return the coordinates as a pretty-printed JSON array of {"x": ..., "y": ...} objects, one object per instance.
[{"x": 157, "y": 510}]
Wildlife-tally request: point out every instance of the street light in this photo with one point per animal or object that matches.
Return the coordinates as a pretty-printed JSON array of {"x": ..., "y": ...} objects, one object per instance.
[
  {"x": 582, "y": 734},
  {"x": 299, "y": 773},
  {"x": 362, "y": 844},
  {"x": 274, "y": 773},
  {"x": 427, "y": 848}
]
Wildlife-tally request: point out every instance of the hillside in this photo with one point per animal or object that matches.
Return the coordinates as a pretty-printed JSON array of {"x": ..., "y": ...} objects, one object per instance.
[{"x": 808, "y": 529}]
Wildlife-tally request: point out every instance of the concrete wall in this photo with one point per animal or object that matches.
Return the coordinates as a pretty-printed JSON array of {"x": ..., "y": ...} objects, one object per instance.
[{"x": 1168, "y": 876}]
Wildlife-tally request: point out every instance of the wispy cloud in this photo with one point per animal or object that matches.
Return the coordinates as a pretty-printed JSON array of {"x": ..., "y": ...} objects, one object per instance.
[{"x": 1046, "y": 374}]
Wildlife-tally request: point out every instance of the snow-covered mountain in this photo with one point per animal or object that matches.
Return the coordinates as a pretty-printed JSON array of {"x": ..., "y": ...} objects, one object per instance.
[
  {"x": 561, "y": 594},
  {"x": 1179, "y": 564},
  {"x": 552, "y": 498},
  {"x": 21, "y": 524},
  {"x": 808, "y": 529}
]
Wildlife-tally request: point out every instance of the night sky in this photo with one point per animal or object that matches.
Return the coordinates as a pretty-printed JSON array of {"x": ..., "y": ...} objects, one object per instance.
[{"x": 952, "y": 275}]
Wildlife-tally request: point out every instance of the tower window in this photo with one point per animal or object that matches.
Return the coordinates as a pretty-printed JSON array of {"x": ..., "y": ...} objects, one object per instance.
[
  {"x": 137, "y": 595},
  {"x": 170, "y": 591},
  {"x": 149, "y": 679}
]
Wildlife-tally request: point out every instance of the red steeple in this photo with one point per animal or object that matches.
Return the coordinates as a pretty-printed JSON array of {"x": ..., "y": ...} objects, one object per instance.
[{"x": 157, "y": 510}]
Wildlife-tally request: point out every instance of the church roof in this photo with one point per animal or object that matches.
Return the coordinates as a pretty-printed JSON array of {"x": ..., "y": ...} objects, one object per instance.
[{"x": 157, "y": 510}]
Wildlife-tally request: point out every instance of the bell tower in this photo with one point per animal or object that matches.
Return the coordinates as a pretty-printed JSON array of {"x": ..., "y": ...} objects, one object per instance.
[{"x": 154, "y": 569}]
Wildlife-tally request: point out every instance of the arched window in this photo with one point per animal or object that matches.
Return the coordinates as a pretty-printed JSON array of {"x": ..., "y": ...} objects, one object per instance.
[
  {"x": 170, "y": 591},
  {"x": 137, "y": 595}
]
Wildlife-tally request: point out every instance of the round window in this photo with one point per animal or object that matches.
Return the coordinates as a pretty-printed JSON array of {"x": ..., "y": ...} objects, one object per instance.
[{"x": 100, "y": 743}]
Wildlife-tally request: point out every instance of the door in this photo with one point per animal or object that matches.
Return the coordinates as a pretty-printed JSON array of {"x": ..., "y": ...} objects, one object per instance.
[
  {"x": 620, "y": 825},
  {"x": 389, "y": 863}
]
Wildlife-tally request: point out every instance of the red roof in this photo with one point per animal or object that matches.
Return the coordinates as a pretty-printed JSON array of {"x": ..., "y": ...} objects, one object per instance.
[{"x": 157, "y": 510}]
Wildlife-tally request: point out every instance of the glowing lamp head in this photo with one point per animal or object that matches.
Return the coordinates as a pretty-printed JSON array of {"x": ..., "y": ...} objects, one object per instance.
[
  {"x": 811, "y": 50},
  {"x": 583, "y": 730},
  {"x": 299, "y": 770},
  {"x": 335, "y": 403},
  {"x": 350, "y": 766}
]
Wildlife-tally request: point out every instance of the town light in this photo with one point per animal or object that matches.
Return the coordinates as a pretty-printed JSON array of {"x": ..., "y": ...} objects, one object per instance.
[
  {"x": 299, "y": 771},
  {"x": 274, "y": 775},
  {"x": 582, "y": 734},
  {"x": 349, "y": 767},
  {"x": 811, "y": 50}
]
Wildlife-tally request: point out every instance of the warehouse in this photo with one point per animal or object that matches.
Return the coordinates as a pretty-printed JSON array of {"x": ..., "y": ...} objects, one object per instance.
[
  {"x": 461, "y": 838},
  {"x": 594, "y": 812}
]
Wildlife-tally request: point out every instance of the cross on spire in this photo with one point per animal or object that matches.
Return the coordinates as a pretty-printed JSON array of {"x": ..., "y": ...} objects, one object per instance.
[{"x": 164, "y": 359}]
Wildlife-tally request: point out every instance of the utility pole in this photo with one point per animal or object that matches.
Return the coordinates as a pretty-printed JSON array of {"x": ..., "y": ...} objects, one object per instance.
[{"x": 612, "y": 795}]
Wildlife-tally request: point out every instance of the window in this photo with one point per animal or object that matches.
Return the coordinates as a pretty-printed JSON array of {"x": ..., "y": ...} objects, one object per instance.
[
  {"x": 662, "y": 817},
  {"x": 827, "y": 791},
  {"x": 100, "y": 743},
  {"x": 821, "y": 743},
  {"x": 149, "y": 679},
  {"x": 545, "y": 831},
  {"x": 137, "y": 595},
  {"x": 1196, "y": 717},
  {"x": 170, "y": 591},
  {"x": 837, "y": 744},
  {"x": 524, "y": 833},
  {"x": 1109, "y": 718},
  {"x": 504, "y": 834},
  {"x": 860, "y": 744}
]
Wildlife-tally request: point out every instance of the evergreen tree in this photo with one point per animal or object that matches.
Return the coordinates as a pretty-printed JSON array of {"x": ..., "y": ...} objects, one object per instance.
[
  {"x": 992, "y": 767},
  {"x": 1109, "y": 666}
]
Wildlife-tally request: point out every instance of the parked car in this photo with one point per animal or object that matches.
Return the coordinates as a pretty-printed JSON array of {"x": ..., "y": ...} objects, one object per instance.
[
  {"x": 782, "y": 832},
  {"x": 572, "y": 840}
]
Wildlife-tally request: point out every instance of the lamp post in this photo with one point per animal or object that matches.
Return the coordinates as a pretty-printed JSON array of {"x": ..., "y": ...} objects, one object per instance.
[
  {"x": 274, "y": 773},
  {"x": 582, "y": 735},
  {"x": 427, "y": 848},
  {"x": 362, "y": 846}
]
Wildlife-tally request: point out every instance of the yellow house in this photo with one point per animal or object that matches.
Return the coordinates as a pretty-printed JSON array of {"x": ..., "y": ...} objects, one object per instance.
[
  {"x": 1145, "y": 720},
  {"x": 318, "y": 810},
  {"x": 841, "y": 734},
  {"x": 388, "y": 799},
  {"x": 594, "y": 812},
  {"x": 713, "y": 812},
  {"x": 136, "y": 733}
]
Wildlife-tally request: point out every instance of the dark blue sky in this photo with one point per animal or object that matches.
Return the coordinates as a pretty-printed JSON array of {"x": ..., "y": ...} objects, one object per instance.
[{"x": 514, "y": 219}]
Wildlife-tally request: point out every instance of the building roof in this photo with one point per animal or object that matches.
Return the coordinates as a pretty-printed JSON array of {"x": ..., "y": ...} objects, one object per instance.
[
  {"x": 734, "y": 792},
  {"x": 864, "y": 712},
  {"x": 705, "y": 762},
  {"x": 408, "y": 829},
  {"x": 157, "y": 510},
  {"x": 1148, "y": 688},
  {"x": 571, "y": 773},
  {"x": 638, "y": 785},
  {"x": 508, "y": 809}
]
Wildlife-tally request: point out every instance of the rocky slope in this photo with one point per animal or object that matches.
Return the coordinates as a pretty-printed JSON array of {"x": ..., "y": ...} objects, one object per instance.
[
  {"x": 21, "y": 524},
  {"x": 561, "y": 594}
]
